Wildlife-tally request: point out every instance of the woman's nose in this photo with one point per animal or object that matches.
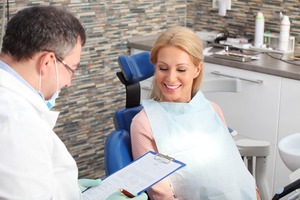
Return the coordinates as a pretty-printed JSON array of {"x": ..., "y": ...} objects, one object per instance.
[{"x": 172, "y": 76}]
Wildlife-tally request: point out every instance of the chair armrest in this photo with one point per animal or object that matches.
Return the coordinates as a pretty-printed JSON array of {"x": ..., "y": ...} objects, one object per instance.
[{"x": 117, "y": 151}]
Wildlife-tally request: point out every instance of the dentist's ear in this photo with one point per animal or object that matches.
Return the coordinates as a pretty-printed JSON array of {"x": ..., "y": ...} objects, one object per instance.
[{"x": 45, "y": 63}]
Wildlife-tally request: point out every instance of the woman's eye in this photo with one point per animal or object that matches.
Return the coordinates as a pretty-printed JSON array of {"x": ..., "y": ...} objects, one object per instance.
[
  {"x": 162, "y": 68},
  {"x": 181, "y": 70}
]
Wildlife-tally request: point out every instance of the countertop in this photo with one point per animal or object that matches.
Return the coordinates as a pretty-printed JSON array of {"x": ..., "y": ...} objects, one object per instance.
[{"x": 268, "y": 63}]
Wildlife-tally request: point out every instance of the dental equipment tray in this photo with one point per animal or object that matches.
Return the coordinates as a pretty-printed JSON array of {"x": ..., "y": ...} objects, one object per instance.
[{"x": 234, "y": 56}]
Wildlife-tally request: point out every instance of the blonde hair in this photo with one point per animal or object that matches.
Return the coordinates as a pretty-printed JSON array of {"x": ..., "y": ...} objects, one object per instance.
[{"x": 185, "y": 39}]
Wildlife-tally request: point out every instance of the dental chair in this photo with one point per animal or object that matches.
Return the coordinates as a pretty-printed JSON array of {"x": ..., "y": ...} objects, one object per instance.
[{"x": 136, "y": 68}]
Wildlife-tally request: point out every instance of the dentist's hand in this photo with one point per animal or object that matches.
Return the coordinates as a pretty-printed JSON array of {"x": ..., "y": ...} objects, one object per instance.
[
  {"x": 86, "y": 183},
  {"x": 119, "y": 196}
]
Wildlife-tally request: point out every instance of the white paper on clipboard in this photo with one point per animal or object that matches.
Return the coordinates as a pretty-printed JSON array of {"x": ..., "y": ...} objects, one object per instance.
[{"x": 137, "y": 177}]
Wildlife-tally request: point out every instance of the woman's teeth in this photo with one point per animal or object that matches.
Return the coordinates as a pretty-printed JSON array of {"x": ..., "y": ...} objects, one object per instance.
[{"x": 172, "y": 87}]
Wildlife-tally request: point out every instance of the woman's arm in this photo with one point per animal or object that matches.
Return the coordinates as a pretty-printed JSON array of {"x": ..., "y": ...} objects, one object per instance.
[
  {"x": 142, "y": 141},
  {"x": 219, "y": 112}
]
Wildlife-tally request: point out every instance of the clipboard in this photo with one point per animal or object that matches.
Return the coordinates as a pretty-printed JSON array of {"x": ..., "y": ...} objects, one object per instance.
[{"x": 136, "y": 177}]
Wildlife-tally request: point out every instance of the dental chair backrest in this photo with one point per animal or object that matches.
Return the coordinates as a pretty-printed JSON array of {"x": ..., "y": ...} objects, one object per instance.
[{"x": 134, "y": 68}]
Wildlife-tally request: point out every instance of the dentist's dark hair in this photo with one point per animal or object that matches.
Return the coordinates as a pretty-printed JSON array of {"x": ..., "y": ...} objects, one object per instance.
[{"x": 42, "y": 28}]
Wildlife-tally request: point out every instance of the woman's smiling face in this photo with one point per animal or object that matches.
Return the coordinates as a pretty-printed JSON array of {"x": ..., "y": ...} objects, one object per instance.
[{"x": 175, "y": 73}]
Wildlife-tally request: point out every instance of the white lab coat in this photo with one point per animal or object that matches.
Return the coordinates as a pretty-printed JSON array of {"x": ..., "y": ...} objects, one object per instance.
[{"x": 34, "y": 162}]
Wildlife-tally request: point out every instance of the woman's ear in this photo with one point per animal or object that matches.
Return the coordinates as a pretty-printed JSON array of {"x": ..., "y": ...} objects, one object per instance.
[{"x": 199, "y": 68}]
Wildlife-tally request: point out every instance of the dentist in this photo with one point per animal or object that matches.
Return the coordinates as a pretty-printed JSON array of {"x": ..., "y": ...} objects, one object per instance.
[{"x": 41, "y": 51}]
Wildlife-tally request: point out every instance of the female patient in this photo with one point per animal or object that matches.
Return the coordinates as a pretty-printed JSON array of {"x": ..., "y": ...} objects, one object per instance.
[{"x": 180, "y": 122}]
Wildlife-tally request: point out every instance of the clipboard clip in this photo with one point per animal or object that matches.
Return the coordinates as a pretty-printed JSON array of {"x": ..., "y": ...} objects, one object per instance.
[{"x": 166, "y": 159}]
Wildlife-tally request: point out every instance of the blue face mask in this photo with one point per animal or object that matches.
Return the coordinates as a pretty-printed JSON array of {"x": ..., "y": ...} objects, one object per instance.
[{"x": 51, "y": 102}]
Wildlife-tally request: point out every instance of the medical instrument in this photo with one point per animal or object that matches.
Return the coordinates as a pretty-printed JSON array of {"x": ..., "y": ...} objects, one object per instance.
[
  {"x": 126, "y": 193},
  {"x": 287, "y": 189}
]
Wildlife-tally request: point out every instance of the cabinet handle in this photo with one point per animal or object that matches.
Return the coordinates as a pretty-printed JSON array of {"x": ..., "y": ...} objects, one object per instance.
[{"x": 230, "y": 76}]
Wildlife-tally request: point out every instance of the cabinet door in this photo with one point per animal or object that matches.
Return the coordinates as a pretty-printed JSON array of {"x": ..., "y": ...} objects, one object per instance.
[
  {"x": 289, "y": 123},
  {"x": 289, "y": 108},
  {"x": 253, "y": 111}
]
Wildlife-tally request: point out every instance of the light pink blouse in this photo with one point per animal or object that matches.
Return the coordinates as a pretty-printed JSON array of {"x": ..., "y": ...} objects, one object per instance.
[{"x": 142, "y": 141}]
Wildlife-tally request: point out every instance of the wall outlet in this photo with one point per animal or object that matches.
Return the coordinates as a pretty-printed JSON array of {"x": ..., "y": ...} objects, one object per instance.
[{"x": 215, "y": 4}]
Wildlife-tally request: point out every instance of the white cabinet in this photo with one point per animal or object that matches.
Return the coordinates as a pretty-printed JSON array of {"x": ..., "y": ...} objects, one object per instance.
[
  {"x": 289, "y": 123},
  {"x": 253, "y": 111},
  {"x": 289, "y": 119}
]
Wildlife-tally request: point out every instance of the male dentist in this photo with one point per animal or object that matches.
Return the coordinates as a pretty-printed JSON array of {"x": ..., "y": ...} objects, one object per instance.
[{"x": 41, "y": 51}]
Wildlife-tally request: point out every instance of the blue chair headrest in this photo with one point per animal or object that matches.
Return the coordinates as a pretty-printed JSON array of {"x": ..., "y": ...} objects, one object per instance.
[{"x": 136, "y": 67}]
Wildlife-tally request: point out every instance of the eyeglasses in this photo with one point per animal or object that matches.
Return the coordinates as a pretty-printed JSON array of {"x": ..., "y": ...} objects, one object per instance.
[{"x": 74, "y": 73}]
